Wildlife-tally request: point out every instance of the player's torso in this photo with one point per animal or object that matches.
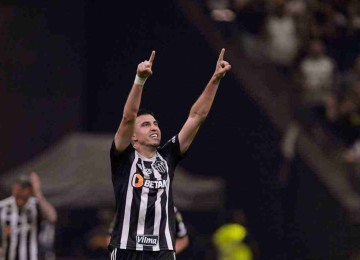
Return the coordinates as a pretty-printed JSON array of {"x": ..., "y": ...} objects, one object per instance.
[
  {"x": 19, "y": 229},
  {"x": 143, "y": 202}
]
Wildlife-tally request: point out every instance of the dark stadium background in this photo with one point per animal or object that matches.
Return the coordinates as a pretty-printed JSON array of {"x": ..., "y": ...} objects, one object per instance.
[{"x": 69, "y": 65}]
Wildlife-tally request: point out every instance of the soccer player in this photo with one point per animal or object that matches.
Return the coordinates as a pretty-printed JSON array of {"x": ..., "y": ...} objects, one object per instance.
[
  {"x": 142, "y": 171},
  {"x": 20, "y": 218}
]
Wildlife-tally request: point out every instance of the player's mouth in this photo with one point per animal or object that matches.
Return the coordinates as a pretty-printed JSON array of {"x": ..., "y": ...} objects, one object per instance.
[{"x": 155, "y": 136}]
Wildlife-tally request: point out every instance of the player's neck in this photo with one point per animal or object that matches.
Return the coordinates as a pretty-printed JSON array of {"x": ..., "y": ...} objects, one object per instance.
[{"x": 147, "y": 152}]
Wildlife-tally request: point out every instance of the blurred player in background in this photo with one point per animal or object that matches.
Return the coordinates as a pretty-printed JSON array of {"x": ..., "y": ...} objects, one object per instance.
[{"x": 20, "y": 218}]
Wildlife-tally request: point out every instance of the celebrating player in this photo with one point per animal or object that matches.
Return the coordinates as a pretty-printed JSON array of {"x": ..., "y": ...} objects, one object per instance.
[{"x": 142, "y": 171}]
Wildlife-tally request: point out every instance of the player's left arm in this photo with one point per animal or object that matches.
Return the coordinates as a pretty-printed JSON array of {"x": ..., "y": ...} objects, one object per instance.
[
  {"x": 47, "y": 210},
  {"x": 200, "y": 109}
]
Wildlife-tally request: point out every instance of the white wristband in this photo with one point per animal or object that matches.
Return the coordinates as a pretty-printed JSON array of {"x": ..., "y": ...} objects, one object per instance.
[{"x": 139, "y": 80}]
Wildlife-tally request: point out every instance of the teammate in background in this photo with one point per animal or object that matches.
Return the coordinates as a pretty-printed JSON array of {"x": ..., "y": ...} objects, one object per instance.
[
  {"x": 142, "y": 171},
  {"x": 20, "y": 218},
  {"x": 47, "y": 241},
  {"x": 182, "y": 238}
]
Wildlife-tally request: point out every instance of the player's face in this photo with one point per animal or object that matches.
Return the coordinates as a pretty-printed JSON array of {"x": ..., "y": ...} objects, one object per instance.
[
  {"x": 147, "y": 131},
  {"x": 21, "y": 194}
]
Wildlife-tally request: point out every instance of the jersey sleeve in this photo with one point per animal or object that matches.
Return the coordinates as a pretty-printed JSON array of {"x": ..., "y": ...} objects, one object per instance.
[
  {"x": 119, "y": 161},
  {"x": 117, "y": 158},
  {"x": 115, "y": 155},
  {"x": 171, "y": 149}
]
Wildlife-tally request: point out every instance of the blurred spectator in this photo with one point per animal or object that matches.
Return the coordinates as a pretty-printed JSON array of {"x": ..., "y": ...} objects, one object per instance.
[
  {"x": 352, "y": 155},
  {"x": 317, "y": 79},
  {"x": 224, "y": 17},
  {"x": 299, "y": 11},
  {"x": 281, "y": 36},
  {"x": 250, "y": 19}
]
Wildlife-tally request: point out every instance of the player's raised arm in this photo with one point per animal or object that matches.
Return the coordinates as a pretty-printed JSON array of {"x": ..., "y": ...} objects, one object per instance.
[
  {"x": 131, "y": 108},
  {"x": 48, "y": 211},
  {"x": 201, "y": 107}
]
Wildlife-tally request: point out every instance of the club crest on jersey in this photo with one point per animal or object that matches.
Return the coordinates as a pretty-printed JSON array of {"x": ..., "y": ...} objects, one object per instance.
[
  {"x": 147, "y": 240},
  {"x": 151, "y": 175},
  {"x": 159, "y": 166}
]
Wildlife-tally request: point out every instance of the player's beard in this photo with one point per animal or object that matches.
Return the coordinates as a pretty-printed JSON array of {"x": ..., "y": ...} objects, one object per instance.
[{"x": 154, "y": 144}]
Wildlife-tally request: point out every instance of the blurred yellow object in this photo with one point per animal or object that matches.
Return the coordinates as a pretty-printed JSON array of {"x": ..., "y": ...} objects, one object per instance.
[{"x": 229, "y": 241}]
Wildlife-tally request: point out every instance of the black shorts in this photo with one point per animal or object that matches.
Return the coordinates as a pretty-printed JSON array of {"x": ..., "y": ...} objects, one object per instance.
[{"x": 125, "y": 254}]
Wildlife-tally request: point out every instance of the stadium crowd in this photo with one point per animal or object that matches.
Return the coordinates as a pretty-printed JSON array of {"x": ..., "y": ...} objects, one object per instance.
[{"x": 315, "y": 44}]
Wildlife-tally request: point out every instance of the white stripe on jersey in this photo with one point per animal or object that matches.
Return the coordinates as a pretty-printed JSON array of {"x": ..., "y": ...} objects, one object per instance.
[
  {"x": 157, "y": 219},
  {"x": 127, "y": 211},
  {"x": 113, "y": 254},
  {"x": 2, "y": 227},
  {"x": 142, "y": 215},
  {"x": 23, "y": 232},
  {"x": 167, "y": 230},
  {"x": 34, "y": 234},
  {"x": 13, "y": 236},
  {"x": 19, "y": 227}
]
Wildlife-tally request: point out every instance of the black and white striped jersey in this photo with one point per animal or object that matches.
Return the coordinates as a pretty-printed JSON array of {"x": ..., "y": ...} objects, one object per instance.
[
  {"x": 143, "y": 192},
  {"x": 19, "y": 229},
  {"x": 181, "y": 230}
]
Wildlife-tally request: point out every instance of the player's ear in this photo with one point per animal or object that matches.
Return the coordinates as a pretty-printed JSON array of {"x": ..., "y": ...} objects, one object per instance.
[{"x": 134, "y": 140}]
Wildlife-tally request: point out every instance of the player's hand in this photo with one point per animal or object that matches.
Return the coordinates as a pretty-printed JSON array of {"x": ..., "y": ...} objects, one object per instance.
[
  {"x": 35, "y": 182},
  {"x": 222, "y": 66},
  {"x": 144, "y": 68}
]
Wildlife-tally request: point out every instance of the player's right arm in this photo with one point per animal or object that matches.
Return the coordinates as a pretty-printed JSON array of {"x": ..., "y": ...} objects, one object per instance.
[
  {"x": 48, "y": 211},
  {"x": 126, "y": 128}
]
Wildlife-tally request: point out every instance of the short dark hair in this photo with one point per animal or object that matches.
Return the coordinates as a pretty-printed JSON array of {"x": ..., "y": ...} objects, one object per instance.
[
  {"x": 23, "y": 181},
  {"x": 144, "y": 111}
]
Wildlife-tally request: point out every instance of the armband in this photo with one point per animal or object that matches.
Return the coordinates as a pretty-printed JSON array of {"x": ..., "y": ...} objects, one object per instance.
[{"x": 139, "y": 80}]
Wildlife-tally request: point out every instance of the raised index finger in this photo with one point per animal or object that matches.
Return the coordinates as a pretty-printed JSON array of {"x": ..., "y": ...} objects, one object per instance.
[
  {"x": 221, "y": 56},
  {"x": 152, "y": 57}
]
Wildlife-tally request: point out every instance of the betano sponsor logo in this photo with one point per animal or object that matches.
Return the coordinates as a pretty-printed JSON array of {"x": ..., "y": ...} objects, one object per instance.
[
  {"x": 138, "y": 181},
  {"x": 147, "y": 240}
]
